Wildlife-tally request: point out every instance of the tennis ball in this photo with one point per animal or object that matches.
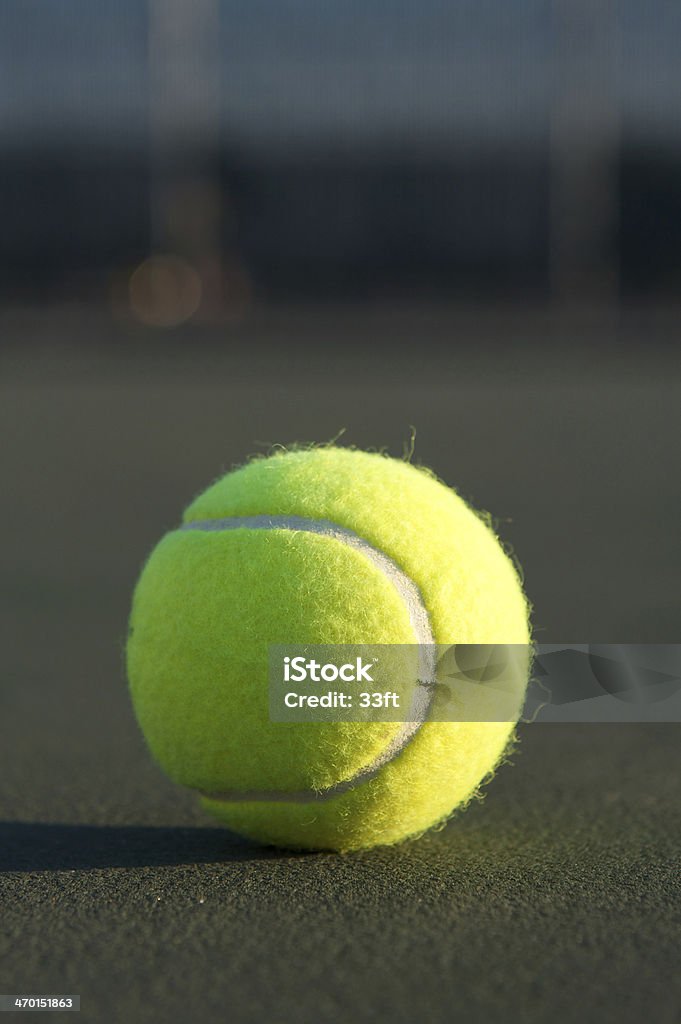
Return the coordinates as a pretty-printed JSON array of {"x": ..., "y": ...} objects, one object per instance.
[{"x": 318, "y": 546}]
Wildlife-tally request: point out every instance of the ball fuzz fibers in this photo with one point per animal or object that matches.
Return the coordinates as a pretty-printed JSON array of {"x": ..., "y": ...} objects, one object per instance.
[{"x": 309, "y": 546}]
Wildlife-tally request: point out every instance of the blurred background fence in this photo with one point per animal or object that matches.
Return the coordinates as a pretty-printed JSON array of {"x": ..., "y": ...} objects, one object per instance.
[{"x": 185, "y": 160}]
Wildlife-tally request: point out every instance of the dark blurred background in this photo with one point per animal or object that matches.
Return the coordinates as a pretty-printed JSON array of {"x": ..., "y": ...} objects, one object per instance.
[{"x": 170, "y": 160}]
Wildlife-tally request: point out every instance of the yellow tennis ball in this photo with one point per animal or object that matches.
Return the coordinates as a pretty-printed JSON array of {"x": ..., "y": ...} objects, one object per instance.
[{"x": 318, "y": 546}]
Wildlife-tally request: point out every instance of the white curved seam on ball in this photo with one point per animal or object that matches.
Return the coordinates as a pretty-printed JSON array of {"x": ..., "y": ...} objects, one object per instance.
[{"x": 420, "y": 623}]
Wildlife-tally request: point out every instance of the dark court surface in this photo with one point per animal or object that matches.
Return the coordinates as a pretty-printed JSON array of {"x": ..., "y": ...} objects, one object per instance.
[{"x": 557, "y": 898}]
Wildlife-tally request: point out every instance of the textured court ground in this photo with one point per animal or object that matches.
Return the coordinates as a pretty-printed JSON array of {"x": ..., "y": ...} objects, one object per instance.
[{"x": 558, "y": 898}]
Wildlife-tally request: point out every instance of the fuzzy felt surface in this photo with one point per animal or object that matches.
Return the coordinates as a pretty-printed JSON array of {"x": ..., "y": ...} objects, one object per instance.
[
  {"x": 206, "y": 609},
  {"x": 209, "y": 604}
]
